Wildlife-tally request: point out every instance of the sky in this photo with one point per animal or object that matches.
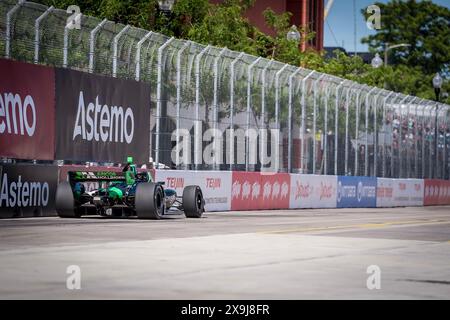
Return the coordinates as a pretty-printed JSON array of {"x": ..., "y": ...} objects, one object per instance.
[{"x": 341, "y": 22}]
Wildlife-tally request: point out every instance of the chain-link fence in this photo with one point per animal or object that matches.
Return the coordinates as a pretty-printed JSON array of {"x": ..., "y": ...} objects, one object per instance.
[{"x": 238, "y": 111}]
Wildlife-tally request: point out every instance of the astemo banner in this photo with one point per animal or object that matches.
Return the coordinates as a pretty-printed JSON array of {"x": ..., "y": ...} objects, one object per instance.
[
  {"x": 356, "y": 192},
  {"x": 101, "y": 118},
  {"x": 27, "y": 111},
  {"x": 215, "y": 185},
  {"x": 313, "y": 191},
  {"x": 27, "y": 190}
]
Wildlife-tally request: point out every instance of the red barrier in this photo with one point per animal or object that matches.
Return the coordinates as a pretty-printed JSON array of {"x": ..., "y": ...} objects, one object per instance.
[
  {"x": 27, "y": 111},
  {"x": 253, "y": 190},
  {"x": 437, "y": 192}
]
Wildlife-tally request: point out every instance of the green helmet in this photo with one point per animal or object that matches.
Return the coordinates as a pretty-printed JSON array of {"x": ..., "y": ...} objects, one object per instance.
[{"x": 129, "y": 159}]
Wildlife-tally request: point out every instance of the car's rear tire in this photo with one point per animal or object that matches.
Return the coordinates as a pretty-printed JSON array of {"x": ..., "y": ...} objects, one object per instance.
[
  {"x": 64, "y": 201},
  {"x": 149, "y": 201},
  {"x": 193, "y": 202}
]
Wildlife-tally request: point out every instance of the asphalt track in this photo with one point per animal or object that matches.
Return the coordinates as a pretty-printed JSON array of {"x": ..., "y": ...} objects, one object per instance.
[{"x": 285, "y": 254}]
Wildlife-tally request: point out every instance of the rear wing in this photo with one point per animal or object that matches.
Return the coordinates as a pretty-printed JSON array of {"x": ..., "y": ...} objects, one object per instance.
[{"x": 83, "y": 176}]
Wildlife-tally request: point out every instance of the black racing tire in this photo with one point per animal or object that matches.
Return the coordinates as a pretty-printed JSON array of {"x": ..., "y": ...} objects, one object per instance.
[
  {"x": 64, "y": 201},
  {"x": 193, "y": 202},
  {"x": 149, "y": 201}
]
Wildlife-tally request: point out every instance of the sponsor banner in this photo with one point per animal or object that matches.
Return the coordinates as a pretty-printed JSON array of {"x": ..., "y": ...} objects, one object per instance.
[
  {"x": 436, "y": 192},
  {"x": 28, "y": 190},
  {"x": 215, "y": 185},
  {"x": 27, "y": 111},
  {"x": 313, "y": 191},
  {"x": 408, "y": 192},
  {"x": 385, "y": 192},
  {"x": 246, "y": 191},
  {"x": 356, "y": 192},
  {"x": 252, "y": 191},
  {"x": 101, "y": 118},
  {"x": 275, "y": 191}
]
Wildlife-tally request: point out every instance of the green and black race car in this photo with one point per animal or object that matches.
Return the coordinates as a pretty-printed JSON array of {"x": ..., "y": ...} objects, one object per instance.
[{"x": 126, "y": 193}]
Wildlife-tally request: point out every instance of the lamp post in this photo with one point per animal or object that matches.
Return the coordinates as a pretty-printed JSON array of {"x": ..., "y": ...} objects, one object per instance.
[
  {"x": 166, "y": 6},
  {"x": 437, "y": 84},
  {"x": 293, "y": 34},
  {"x": 377, "y": 62}
]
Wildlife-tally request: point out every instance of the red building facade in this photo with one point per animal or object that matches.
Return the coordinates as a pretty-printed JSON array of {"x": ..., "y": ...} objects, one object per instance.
[{"x": 309, "y": 13}]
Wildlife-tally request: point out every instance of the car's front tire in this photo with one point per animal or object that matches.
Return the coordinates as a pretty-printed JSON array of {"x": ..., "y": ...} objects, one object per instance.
[
  {"x": 149, "y": 201},
  {"x": 193, "y": 202}
]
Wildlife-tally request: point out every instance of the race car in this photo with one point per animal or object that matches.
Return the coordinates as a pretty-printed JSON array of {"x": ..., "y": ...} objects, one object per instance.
[{"x": 124, "y": 193}]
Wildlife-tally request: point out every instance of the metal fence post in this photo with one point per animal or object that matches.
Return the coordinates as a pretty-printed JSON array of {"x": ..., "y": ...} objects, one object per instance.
[
  {"x": 92, "y": 44},
  {"x": 66, "y": 44},
  {"x": 424, "y": 110},
  {"x": 249, "y": 105},
  {"x": 325, "y": 133},
  {"x": 400, "y": 144},
  {"x": 36, "y": 33},
  {"x": 277, "y": 110},
  {"x": 336, "y": 127},
  {"x": 366, "y": 130},
  {"x": 233, "y": 63},
  {"x": 315, "y": 122},
  {"x": 436, "y": 142},
  {"x": 347, "y": 101},
  {"x": 408, "y": 134},
  {"x": 303, "y": 124},
  {"x": 445, "y": 161},
  {"x": 291, "y": 78},
  {"x": 383, "y": 164},
  {"x": 356, "y": 171},
  {"x": 138, "y": 55},
  {"x": 179, "y": 55},
  {"x": 430, "y": 120},
  {"x": 158, "y": 99},
  {"x": 215, "y": 101},
  {"x": 8, "y": 28},
  {"x": 416, "y": 147},
  {"x": 198, "y": 125},
  {"x": 115, "y": 43},
  {"x": 263, "y": 136},
  {"x": 197, "y": 122},
  {"x": 392, "y": 175},
  {"x": 375, "y": 133}
]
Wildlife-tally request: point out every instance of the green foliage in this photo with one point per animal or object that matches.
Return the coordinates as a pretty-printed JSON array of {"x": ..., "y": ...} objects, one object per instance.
[
  {"x": 422, "y": 24},
  {"x": 224, "y": 26}
]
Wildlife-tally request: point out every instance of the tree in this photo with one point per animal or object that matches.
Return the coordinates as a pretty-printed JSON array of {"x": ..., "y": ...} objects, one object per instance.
[{"x": 422, "y": 24}]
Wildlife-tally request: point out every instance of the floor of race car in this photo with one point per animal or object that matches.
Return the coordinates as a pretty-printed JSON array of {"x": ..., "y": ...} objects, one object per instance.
[{"x": 284, "y": 254}]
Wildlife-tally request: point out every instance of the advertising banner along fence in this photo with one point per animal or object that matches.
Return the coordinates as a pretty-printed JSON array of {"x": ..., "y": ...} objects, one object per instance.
[
  {"x": 385, "y": 192},
  {"x": 408, "y": 192},
  {"x": 399, "y": 192},
  {"x": 28, "y": 190},
  {"x": 254, "y": 190},
  {"x": 437, "y": 192},
  {"x": 27, "y": 111},
  {"x": 356, "y": 192},
  {"x": 313, "y": 191},
  {"x": 101, "y": 118},
  {"x": 216, "y": 185}
]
